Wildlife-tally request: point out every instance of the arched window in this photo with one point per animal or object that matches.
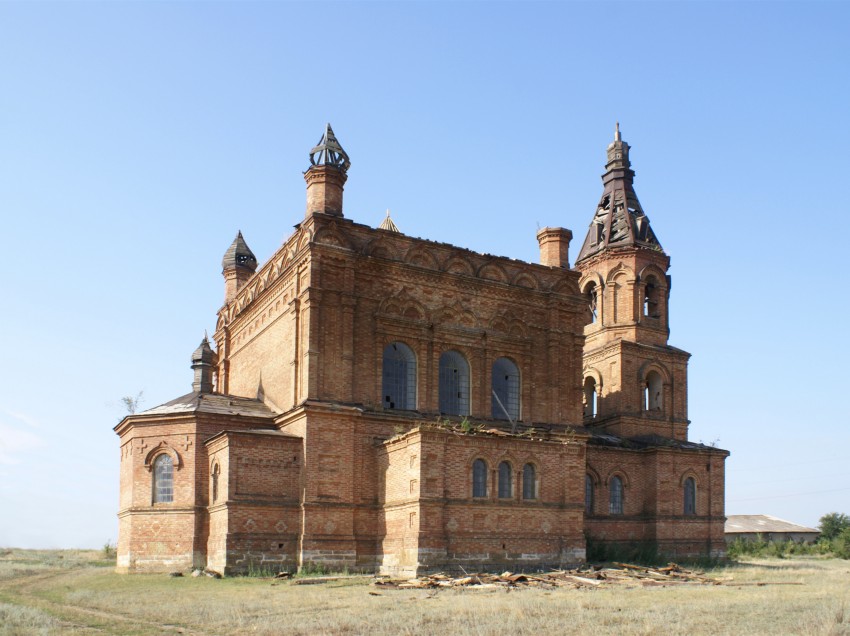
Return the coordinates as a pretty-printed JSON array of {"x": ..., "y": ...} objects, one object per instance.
[
  {"x": 399, "y": 386},
  {"x": 479, "y": 478},
  {"x": 529, "y": 482},
  {"x": 591, "y": 298},
  {"x": 588, "y": 494},
  {"x": 690, "y": 496},
  {"x": 650, "y": 298},
  {"x": 454, "y": 384},
  {"x": 505, "y": 390},
  {"x": 615, "y": 496},
  {"x": 506, "y": 482},
  {"x": 653, "y": 393},
  {"x": 163, "y": 479},
  {"x": 590, "y": 397},
  {"x": 216, "y": 471}
]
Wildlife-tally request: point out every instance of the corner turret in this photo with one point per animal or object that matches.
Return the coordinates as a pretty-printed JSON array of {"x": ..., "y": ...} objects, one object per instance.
[
  {"x": 326, "y": 176},
  {"x": 237, "y": 266},
  {"x": 203, "y": 360}
]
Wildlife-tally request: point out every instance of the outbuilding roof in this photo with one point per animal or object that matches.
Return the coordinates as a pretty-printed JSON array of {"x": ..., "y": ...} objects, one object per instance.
[{"x": 748, "y": 524}]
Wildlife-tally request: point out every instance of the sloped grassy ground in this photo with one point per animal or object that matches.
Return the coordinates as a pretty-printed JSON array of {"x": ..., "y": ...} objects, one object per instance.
[{"x": 77, "y": 592}]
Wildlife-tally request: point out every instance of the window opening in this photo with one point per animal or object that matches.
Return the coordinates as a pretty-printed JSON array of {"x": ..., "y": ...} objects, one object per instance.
[
  {"x": 505, "y": 481},
  {"x": 215, "y": 473},
  {"x": 163, "y": 479},
  {"x": 690, "y": 496},
  {"x": 505, "y": 404},
  {"x": 529, "y": 482},
  {"x": 588, "y": 494},
  {"x": 615, "y": 501},
  {"x": 590, "y": 297},
  {"x": 399, "y": 377},
  {"x": 650, "y": 298},
  {"x": 479, "y": 478},
  {"x": 590, "y": 397},
  {"x": 653, "y": 393},
  {"x": 454, "y": 384}
]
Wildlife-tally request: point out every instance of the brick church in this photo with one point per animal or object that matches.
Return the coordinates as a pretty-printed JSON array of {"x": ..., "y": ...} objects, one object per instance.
[{"x": 379, "y": 402}]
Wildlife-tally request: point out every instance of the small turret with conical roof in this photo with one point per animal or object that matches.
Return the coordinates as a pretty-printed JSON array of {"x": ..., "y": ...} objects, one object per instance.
[
  {"x": 203, "y": 359},
  {"x": 388, "y": 224},
  {"x": 326, "y": 176},
  {"x": 237, "y": 266}
]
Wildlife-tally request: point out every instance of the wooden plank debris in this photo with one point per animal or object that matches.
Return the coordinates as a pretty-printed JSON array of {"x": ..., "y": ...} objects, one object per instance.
[{"x": 588, "y": 577}]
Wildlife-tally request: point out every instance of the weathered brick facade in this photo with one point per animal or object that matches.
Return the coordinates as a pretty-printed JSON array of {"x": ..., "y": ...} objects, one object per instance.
[{"x": 381, "y": 402}]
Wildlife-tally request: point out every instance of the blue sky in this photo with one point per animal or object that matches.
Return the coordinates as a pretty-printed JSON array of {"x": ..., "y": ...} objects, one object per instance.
[{"x": 137, "y": 138}]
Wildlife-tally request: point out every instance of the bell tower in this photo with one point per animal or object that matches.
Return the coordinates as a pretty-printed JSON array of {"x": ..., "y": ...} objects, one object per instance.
[{"x": 635, "y": 383}]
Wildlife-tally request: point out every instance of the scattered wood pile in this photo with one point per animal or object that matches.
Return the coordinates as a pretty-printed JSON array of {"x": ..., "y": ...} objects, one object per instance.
[{"x": 592, "y": 577}]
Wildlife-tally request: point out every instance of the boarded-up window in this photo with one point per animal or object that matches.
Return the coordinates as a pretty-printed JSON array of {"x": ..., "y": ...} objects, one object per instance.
[
  {"x": 690, "y": 496},
  {"x": 529, "y": 482},
  {"x": 479, "y": 478},
  {"x": 505, "y": 390},
  {"x": 615, "y": 496},
  {"x": 505, "y": 481},
  {"x": 399, "y": 377},
  {"x": 454, "y": 384}
]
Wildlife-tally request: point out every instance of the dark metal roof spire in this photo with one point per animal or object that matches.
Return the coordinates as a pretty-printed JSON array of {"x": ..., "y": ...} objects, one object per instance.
[
  {"x": 328, "y": 152},
  {"x": 239, "y": 255},
  {"x": 619, "y": 220}
]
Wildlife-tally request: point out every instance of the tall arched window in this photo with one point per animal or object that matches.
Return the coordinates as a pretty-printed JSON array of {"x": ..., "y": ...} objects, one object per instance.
[
  {"x": 590, "y": 297},
  {"x": 653, "y": 393},
  {"x": 399, "y": 374},
  {"x": 650, "y": 298},
  {"x": 529, "y": 482},
  {"x": 588, "y": 494},
  {"x": 590, "y": 397},
  {"x": 479, "y": 478},
  {"x": 454, "y": 384},
  {"x": 163, "y": 479},
  {"x": 216, "y": 471},
  {"x": 615, "y": 496},
  {"x": 690, "y": 492},
  {"x": 506, "y": 482},
  {"x": 505, "y": 390}
]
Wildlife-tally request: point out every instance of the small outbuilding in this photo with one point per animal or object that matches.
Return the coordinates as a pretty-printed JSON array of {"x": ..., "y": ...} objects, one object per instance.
[{"x": 751, "y": 527}]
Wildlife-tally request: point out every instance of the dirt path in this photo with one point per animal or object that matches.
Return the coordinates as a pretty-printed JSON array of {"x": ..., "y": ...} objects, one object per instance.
[{"x": 73, "y": 619}]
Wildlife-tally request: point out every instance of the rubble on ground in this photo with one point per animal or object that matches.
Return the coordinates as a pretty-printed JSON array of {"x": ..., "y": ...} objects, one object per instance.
[{"x": 587, "y": 577}]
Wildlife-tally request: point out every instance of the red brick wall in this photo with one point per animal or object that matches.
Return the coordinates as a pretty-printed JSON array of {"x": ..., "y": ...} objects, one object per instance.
[{"x": 653, "y": 498}]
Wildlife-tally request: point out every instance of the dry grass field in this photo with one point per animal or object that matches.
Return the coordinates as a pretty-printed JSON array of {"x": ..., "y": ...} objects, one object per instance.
[{"x": 76, "y": 592}]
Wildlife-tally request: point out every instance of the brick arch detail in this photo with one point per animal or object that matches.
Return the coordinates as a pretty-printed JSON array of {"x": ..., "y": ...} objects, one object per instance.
[
  {"x": 163, "y": 448},
  {"x": 654, "y": 270},
  {"x": 620, "y": 270},
  {"x": 653, "y": 365},
  {"x": 617, "y": 472},
  {"x": 594, "y": 475},
  {"x": 590, "y": 277},
  {"x": 524, "y": 279},
  {"x": 459, "y": 265},
  {"x": 688, "y": 473}
]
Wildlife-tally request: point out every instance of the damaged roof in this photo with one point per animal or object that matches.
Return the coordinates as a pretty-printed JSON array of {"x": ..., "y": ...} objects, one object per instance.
[
  {"x": 640, "y": 442},
  {"x": 197, "y": 402}
]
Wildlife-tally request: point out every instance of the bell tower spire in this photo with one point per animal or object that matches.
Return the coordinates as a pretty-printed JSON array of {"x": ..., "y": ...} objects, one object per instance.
[
  {"x": 634, "y": 382},
  {"x": 619, "y": 220}
]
